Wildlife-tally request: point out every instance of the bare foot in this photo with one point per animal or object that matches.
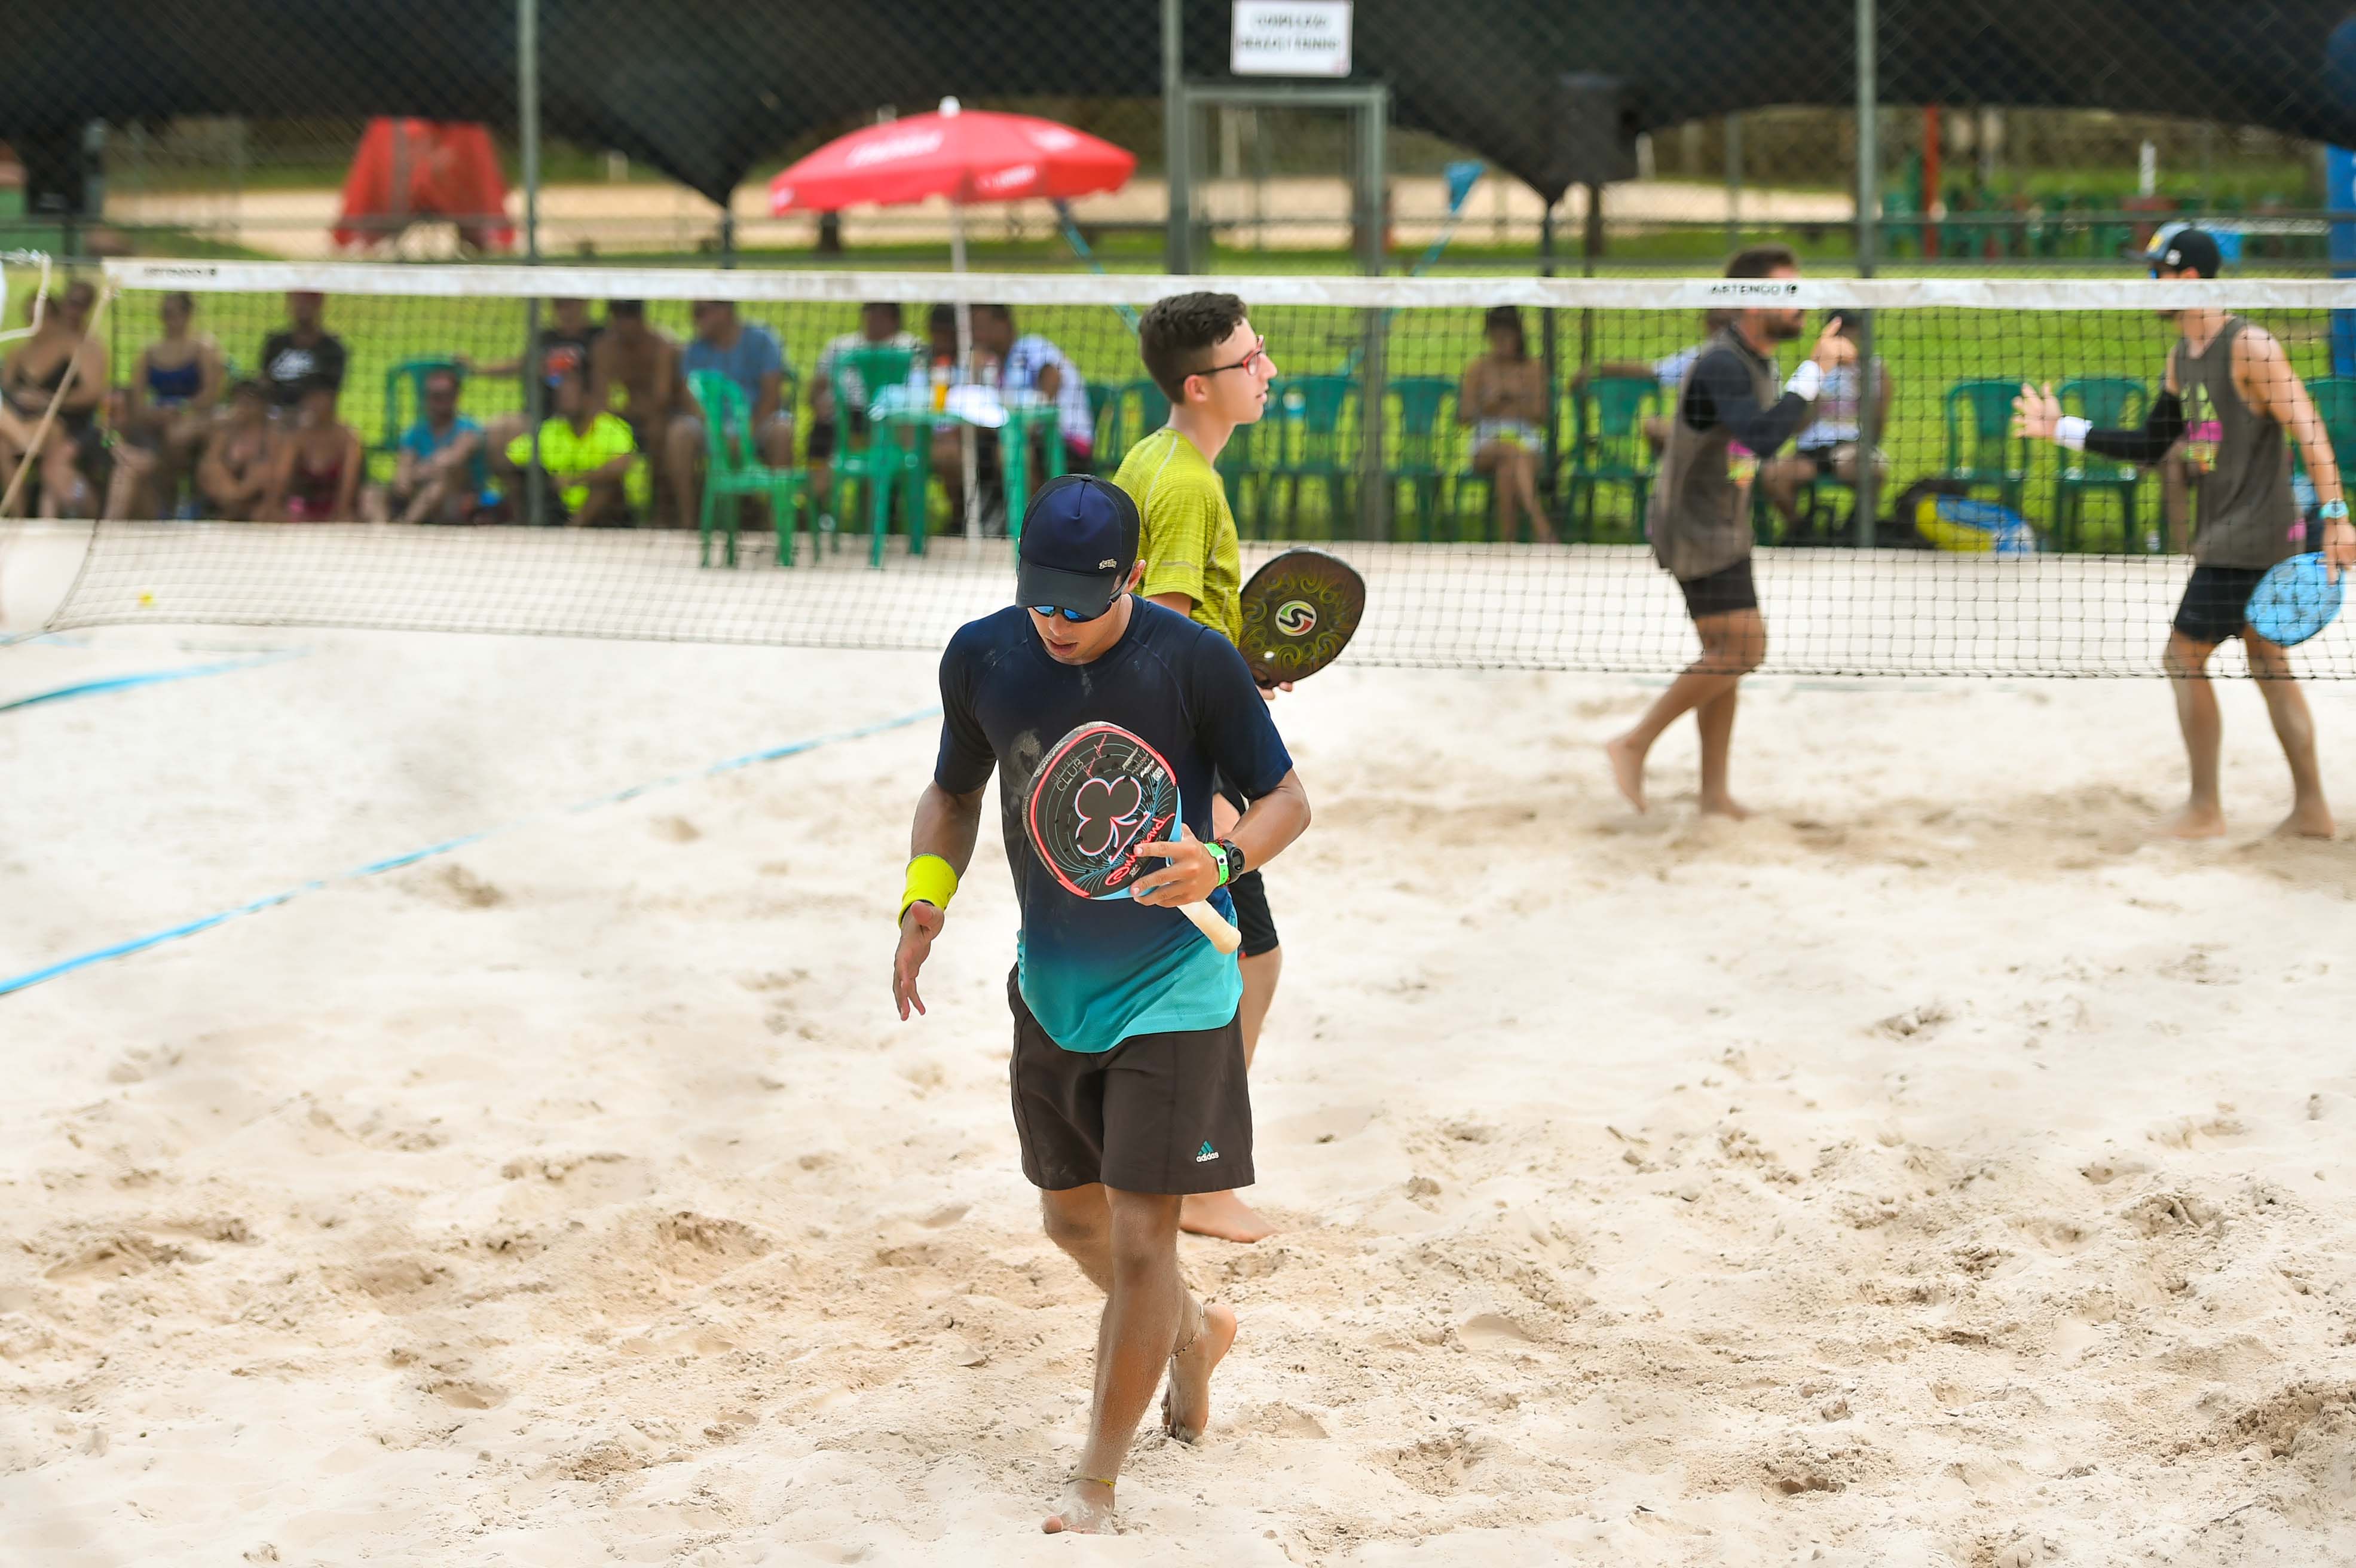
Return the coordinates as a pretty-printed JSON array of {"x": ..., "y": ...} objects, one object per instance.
[
  {"x": 2307, "y": 819},
  {"x": 1087, "y": 1511},
  {"x": 1224, "y": 1215},
  {"x": 1187, "y": 1401},
  {"x": 2194, "y": 822},
  {"x": 1627, "y": 769},
  {"x": 1725, "y": 806}
]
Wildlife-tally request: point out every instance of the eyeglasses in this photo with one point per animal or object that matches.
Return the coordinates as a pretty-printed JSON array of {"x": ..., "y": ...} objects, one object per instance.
[{"x": 1258, "y": 353}]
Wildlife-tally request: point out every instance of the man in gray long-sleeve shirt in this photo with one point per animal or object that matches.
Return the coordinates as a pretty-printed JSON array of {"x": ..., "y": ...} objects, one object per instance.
[{"x": 1729, "y": 417}]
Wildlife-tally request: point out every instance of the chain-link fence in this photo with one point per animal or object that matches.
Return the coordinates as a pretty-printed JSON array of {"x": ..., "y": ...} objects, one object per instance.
[{"x": 2007, "y": 132}]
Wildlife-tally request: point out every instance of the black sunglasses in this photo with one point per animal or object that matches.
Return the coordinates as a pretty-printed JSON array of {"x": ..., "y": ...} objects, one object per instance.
[{"x": 1075, "y": 616}]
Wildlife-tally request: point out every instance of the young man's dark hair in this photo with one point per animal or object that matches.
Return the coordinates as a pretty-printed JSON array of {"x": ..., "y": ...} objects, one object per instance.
[
  {"x": 1177, "y": 332},
  {"x": 1760, "y": 260},
  {"x": 634, "y": 310}
]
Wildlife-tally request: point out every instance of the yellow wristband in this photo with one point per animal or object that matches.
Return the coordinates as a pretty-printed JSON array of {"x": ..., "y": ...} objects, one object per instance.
[{"x": 931, "y": 880}]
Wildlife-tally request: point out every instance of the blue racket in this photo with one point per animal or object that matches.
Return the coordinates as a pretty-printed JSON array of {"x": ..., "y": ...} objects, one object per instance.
[{"x": 2295, "y": 601}]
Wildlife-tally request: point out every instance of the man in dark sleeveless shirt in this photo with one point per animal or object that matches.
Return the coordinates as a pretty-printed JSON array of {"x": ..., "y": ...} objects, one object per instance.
[
  {"x": 1729, "y": 417},
  {"x": 2230, "y": 394}
]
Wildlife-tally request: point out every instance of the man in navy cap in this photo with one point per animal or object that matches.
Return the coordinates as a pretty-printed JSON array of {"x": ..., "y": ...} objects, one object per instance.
[
  {"x": 2230, "y": 395},
  {"x": 1128, "y": 1070}
]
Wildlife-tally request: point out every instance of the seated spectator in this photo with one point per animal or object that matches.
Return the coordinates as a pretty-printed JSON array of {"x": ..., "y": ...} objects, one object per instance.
[
  {"x": 747, "y": 354},
  {"x": 1504, "y": 398},
  {"x": 1827, "y": 446},
  {"x": 163, "y": 419},
  {"x": 67, "y": 455},
  {"x": 301, "y": 352},
  {"x": 595, "y": 475},
  {"x": 443, "y": 473},
  {"x": 879, "y": 327},
  {"x": 1668, "y": 373},
  {"x": 564, "y": 344},
  {"x": 241, "y": 456},
  {"x": 1010, "y": 364},
  {"x": 642, "y": 363},
  {"x": 317, "y": 478}
]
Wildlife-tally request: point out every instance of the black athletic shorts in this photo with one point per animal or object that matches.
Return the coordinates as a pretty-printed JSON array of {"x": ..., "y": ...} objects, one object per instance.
[
  {"x": 2217, "y": 603},
  {"x": 1721, "y": 592},
  {"x": 1158, "y": 1112},
  {"x": 1252, "y": 918},
  {"x": 821, "y": 440}
]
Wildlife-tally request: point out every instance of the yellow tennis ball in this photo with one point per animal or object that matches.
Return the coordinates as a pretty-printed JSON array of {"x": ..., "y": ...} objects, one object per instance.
[{"x": 146, "y": 598}]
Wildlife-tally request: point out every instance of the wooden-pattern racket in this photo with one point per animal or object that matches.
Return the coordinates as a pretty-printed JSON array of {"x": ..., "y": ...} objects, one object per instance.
[
  {"x": 1100, "y": 794},
  {"x": 1300, "y": 610}
]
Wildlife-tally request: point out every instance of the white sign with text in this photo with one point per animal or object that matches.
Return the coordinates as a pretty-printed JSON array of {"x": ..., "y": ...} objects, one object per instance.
[{"x": 1290, "y": 38}]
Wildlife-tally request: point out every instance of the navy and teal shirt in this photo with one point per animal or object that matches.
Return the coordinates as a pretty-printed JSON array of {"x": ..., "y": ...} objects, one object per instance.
[{"x": 1095, "y": 972}]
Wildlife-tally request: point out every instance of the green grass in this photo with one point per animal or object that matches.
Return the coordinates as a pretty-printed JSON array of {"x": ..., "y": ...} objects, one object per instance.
[{"x": 1928, "y": 350}]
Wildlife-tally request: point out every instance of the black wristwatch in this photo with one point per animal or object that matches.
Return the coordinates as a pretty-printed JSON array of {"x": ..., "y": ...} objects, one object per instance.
[{"x": 1233, "y": 857}]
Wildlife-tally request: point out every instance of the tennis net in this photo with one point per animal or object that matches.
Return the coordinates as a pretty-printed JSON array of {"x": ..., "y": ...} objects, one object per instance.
[{"x": 1401, "y": 429}]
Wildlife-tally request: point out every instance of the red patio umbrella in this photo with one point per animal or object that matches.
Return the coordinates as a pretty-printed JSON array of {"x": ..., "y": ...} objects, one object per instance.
[{"x": 965, "y": 156}]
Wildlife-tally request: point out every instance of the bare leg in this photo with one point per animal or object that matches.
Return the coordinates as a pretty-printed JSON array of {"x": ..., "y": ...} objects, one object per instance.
[
  {"x": 1781, "y": 477},
  {"x": 682, "y": 450},
  {"x": 1126, "y": 1243},
  {"x": 126, "y": 491},
  {"x": 1224, "y": 1215},
  {"x": 2310, "y": 815},
  {"x": 1523, "y": 469},
  {"x": 1732, "y": 644},
  {"x": 1715, "y": 719},
  {"x": 2187, "y": 663}
]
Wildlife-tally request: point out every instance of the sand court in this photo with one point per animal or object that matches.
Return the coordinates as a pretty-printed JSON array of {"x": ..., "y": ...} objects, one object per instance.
[{"x": 1927, "y": 1171}]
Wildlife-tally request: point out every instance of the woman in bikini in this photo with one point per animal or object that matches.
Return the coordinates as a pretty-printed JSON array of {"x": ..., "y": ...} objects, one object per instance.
[
  {"x": 29, "y": 379},
  {"x": 241, "y": 456},
  {"x": 318, "y": 473},
  {"x": 1504, "y": 398},
  {"x": 166, "y": 415}
]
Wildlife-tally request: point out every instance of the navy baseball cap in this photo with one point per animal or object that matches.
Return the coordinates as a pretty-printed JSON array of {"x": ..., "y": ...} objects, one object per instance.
[
  {"x": 2179, "y": 248},
  {"x": 1079, "y": 543}
]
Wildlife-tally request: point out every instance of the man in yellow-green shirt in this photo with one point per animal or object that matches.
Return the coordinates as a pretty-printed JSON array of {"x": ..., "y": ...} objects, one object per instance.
[
  {"x": 1202, "y": 352},
  {"x": 595, "y": 474}
]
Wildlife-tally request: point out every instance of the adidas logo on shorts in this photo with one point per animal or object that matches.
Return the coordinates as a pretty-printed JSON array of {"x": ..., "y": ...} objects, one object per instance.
[{"x": 1207, "y": 1156}]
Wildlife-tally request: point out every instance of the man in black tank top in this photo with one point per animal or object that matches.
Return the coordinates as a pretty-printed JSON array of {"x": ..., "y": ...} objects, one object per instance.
[
  {"x": 2230, "y": 394},
  {"x": 1728, "y": 418}
]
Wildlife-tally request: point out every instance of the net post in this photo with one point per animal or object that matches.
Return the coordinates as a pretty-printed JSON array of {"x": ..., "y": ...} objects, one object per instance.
[
  {"x": 535, "y": 392},
  {"x": 1869, "y": 212},
  {"x": 1374, "y": 490},
  {"x": 1548, "y": 482},
  {"x": 1733, "y": 184}
]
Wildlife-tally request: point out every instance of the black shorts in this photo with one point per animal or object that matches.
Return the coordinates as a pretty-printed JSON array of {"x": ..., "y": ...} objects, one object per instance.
[
  {"x": 1158, "y": 1112},
  {"x": 821, "y": 440},
  {"x": 1252, "y": 918},
  {"x": 1721, "y": 592},
  {"x": 2216, "y": 603}
]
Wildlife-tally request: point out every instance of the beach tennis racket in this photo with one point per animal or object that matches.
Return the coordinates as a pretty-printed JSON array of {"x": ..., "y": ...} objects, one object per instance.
[
  {"x": 1099, "y": 796},
  {"x": 2294, "y": 600},
  {"x": 1300, "y": 612}
]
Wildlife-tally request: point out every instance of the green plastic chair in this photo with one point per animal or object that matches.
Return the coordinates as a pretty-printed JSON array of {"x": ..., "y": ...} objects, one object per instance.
[
  {"x": 1982, "y": 452},
  {"x": 1133, "y": 410},
  {"x": 2109, "y": 402},
  {"x": 861, "y": 460},
  {"x": 1303, "y": 426},
  {"x": 1425, "y": 409},
  {"x": 733, "y": 469},
  {"x": 2335, "y": 404},
  {"x": 1608, "y": 444}
]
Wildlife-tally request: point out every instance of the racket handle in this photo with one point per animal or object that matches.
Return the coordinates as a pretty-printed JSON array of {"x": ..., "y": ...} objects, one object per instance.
[{"x": 1213, "y": 926}]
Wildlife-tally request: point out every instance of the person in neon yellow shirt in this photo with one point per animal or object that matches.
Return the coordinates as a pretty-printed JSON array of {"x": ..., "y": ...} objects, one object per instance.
[
  {"x": 1203, "y": 353},
  {"x": 595, "y": 472}
]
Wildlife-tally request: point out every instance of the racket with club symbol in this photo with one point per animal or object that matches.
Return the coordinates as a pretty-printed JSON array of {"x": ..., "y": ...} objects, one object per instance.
[
  {"x": 1300, "y": 610},
  {"x": 1100, "y": 794}
]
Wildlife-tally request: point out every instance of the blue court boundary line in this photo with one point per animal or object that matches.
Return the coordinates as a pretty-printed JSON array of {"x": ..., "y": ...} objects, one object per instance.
[
  {"x": 410, "y": 857},
  {"x": 147, "y": 677}
]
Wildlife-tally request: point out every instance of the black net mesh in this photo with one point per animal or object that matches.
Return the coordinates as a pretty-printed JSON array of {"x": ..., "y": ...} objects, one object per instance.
[{"x": 1398, "y": 432}]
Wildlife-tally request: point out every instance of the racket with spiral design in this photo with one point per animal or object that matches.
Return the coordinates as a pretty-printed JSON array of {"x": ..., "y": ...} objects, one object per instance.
[
  {"x": 1300, "y": 611},
  {"x": 1100, "y": 794}
]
